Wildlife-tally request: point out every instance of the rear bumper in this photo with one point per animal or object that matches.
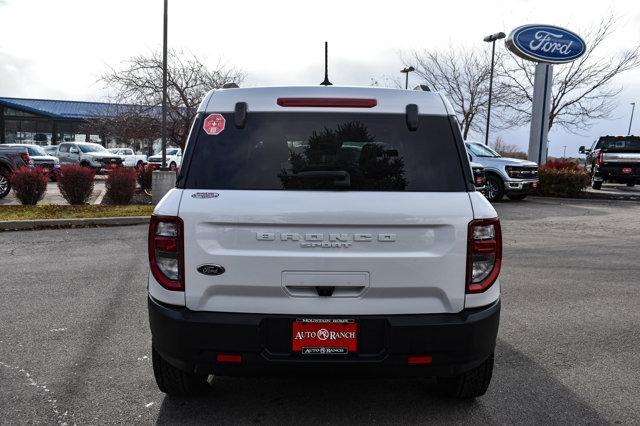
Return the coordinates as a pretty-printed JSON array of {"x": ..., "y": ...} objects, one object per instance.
[
  {"x": 191, "y": 341},
  {"x": 615, "y": 173}
]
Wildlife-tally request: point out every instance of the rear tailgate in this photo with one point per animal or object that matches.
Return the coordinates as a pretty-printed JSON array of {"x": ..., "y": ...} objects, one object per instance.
[{"x": 384, "y": 253}]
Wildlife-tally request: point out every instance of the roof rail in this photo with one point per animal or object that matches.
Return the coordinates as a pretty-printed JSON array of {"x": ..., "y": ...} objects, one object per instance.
[{"x": 422, "y": 87}]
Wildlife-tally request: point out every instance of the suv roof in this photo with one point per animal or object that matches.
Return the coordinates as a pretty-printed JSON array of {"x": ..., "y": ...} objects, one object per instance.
[{"x": 265, "y": 99}]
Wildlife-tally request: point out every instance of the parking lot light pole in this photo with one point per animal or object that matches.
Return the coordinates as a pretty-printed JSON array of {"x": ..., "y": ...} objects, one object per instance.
[
  {"x": 164, "y": 88},
  {"x": 491, "y": 39},
  {"x": 406, "y": 72},
  {"x": 633, "y": 107}
]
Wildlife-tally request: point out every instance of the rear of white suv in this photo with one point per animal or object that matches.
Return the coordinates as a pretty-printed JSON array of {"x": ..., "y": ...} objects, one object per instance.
[{"x": 324, "y": 229}]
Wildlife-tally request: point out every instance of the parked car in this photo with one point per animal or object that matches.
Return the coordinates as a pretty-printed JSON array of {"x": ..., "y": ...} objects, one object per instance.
[
  {"x": 512, "y": 177},
  {"x": 41, "y": 159},
  {"x": 11, "y": 158},
  {"x": 613, "y": 158},
  {"x": 174, "y": 159},
  {"x": 331, "y": 229},
  {"x": 40, "y": 137},
  {"x": 89, "y": 155},
  {"x": 131, "y": 159}
]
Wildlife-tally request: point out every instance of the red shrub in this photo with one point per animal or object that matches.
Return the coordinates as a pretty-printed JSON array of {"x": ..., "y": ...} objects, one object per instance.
[
  {"x": 561, "y": 165},
  {"x": 144, "y": 177},
  {"x": 121, "y": 185},
  {"x": 76, "y": 183},
  {"x": 30, "y": 185}
]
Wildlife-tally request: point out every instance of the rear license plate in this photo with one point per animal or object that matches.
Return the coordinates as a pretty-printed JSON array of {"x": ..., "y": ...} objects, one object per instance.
[
  {"x": 627, "y": 170},
  {"x": 313, "y": 336}
]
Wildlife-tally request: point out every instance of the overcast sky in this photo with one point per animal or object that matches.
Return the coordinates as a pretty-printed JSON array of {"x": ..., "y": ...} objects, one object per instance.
[{"x": 57, "y": 49}]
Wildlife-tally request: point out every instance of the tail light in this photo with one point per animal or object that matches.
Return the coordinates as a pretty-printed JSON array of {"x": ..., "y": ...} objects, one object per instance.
[
  {"x": 327, "y": 102},
  {"x": 484, "y": 254},
  {"x": 479, "y": 180},
  {"x": 599, "y": 158},
  {"x": 166, "y": 251},
  {"x": 27, "y": 160}
]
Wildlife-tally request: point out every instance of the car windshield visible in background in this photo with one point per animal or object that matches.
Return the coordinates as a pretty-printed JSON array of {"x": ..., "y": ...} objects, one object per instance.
[
  {"x": 36, "y": 151},
  {"x": 328, "y": 151},
  {"x": 481, "y": 150},
  {"x": 92, "y": 147}
]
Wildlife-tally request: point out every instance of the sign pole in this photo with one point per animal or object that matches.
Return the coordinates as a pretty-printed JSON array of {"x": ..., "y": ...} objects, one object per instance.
[{"x": 538, "y": 141}]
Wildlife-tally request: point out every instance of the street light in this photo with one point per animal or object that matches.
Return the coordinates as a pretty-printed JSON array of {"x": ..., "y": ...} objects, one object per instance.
[
  {"x": 633, "y": 107},
  {"x": 406, "y": 72},
  {"x": 491, "y": 39}
]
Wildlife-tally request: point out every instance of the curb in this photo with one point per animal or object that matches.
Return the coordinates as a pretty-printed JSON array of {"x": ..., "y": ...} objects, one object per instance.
[{"x": 21, "y": 225}]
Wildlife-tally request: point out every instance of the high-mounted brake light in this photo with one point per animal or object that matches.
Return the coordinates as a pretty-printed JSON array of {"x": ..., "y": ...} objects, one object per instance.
[
  {"x": 484, "y": 254},
  {"x": 327, "y": 102},
  {"x": 166, "y": 251}
]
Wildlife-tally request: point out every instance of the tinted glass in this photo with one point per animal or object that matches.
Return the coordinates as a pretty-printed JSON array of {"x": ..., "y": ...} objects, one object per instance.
[
  {"x": 64, "y": 148},
  {"x": 328, "y": 151},
  {"x": 92, "y": 148},
  {"x": 622, "y": 144},
  {"x": 481, "y": 150},
  {"x": 36, "y": 151}
]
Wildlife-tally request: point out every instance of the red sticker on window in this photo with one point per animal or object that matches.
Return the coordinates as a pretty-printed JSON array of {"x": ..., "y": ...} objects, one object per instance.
[{"x": 214, "y": 124}]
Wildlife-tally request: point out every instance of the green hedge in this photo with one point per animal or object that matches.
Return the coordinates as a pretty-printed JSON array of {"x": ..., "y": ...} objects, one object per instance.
[{"x": 562, "y": 183}]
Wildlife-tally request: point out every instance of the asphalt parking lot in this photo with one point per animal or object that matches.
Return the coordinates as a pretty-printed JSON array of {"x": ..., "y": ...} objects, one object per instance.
[{"x": 75, "y": 345}]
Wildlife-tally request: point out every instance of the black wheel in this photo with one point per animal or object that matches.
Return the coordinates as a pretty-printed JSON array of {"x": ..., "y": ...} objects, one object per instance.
[
  {"x": 173, "y": 166},
  {"x": 471, "y": 384},
  {"x": 595, "y": 184},
  {"x": 85, "y": 164},
  {"x": 173, "y": 381},
  {"x": 5, "y": 185},
  {"x": 517, "y": 197},
  {"x": 631, "y": 183},
  {"x": 495, "y": 188}
]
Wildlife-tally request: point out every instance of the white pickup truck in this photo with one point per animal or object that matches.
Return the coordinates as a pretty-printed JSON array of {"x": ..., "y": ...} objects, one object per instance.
[
  {"x": 324, "y": 230},
  {"x": 131, "y": 159}
]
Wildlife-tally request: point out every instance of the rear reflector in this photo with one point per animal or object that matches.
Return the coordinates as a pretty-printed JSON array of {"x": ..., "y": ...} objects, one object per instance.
[
  {"x": 627, "y": 170},
  {"x": 327, "y": 102},
  {"x": 236, "y": 359},
  {"x": 417, "y": 360}
]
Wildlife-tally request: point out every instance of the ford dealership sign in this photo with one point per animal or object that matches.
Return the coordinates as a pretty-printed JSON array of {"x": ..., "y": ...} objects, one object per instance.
[{"x": 545, "y": 43}]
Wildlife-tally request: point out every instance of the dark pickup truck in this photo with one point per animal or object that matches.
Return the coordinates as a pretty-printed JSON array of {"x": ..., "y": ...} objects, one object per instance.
[
  {"x": 11, "y": 157},
  {"x": 613, "y": 158}
]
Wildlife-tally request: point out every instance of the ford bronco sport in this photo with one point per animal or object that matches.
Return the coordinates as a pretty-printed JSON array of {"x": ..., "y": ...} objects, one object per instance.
[{"x": 331, "y": 230}]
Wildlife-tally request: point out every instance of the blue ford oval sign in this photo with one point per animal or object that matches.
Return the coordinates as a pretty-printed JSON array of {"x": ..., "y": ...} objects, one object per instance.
[{"x": 545, "y": 43}]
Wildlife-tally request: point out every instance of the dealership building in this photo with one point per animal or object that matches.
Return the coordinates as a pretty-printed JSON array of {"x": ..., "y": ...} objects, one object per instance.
[{"x": 46, "y": 121}]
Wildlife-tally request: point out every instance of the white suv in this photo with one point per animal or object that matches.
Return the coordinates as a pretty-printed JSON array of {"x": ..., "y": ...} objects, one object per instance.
[{"x": 324, "y": 230}]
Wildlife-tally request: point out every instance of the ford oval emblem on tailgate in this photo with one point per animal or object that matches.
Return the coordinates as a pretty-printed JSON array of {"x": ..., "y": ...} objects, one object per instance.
[{"x": 211, "y": 269}]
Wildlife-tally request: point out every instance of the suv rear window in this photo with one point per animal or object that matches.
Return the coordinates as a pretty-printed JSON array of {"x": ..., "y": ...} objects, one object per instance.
[
  {"x": 327, "y": 151},
  {"x": 622, "y": 144}
]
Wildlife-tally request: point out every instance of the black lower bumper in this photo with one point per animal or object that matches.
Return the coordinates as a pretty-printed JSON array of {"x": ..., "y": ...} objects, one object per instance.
[
  {"x": 522, "y": 188},
  {"x": 192, "y": 340},
  {"x": 617, "y": 173}
]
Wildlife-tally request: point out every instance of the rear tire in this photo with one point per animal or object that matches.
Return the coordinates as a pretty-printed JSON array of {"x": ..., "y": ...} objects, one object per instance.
[
  {"x": 517, "y": 197},
  {"x": 595, "y": 184},
  {"x": 174, "y": 381},
  {"x": 495, "y": 189},
  {"x": 470, "y": 384},
  {"x": 5, "y": 184}
]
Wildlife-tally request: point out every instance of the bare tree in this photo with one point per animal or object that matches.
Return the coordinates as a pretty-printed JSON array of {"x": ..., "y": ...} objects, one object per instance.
[
  {"x": 507, "y": 149},
  {"x": 463, "y": 76},
  {"x": 188, "y": 80},
  {"x": 582, "y": 91}
]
